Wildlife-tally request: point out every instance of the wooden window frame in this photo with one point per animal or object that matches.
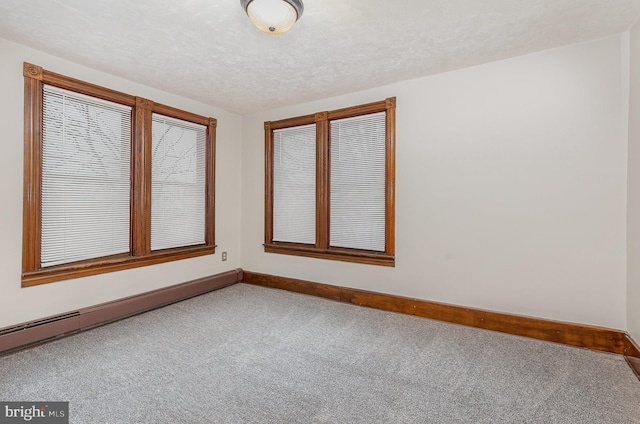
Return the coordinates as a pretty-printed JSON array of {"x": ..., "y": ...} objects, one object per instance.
[
  {"x": 322, "y": 248},
  {"x": 140, "y": 253}
]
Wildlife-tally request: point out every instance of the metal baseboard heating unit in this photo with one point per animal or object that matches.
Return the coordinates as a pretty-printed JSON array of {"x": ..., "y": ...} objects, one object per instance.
[
  {"x": 38, "y": 330},
  {"x": 22, "y": 335}
]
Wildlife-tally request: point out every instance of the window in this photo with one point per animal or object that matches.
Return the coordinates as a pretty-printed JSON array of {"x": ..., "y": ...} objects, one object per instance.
[
  {"x": 86, "y": 177},
  {"x": 178, "y": 188},
  {"x": 294, "y": 184},
  {"x": 330, "y": 184},
  {"x": 111, "y": 181}
]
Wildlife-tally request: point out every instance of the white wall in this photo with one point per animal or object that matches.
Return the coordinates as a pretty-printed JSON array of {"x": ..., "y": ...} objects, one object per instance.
[
  {"x": 633, "y": 216},
  {"x": 511, "y": 188},
  {"x": 21, "y": 304}
]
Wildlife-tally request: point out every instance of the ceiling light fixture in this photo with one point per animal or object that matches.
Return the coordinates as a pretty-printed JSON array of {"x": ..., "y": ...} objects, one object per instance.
[{"x": 273, "y": 16}]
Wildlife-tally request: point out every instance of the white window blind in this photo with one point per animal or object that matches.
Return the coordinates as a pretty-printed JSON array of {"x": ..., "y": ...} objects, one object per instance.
[
  {"x": 178, "y": 183},
  {"x": 86, "y": 148},
  {"x": 357, "y": 194},
  {"x": 294, "y": 184}
]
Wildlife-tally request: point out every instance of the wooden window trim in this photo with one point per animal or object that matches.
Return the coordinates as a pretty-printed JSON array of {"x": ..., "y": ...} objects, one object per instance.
[
  {"x": 140, "y": 253},
  {"x": 322, "y": 248}
]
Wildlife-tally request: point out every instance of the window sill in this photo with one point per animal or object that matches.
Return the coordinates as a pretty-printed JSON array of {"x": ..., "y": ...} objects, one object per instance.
[
  {"x": 333, "y": 253},
  {"x": 110, "y": 264}
]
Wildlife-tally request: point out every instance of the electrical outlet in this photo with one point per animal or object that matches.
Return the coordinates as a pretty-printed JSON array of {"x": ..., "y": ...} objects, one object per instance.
[{"x": 224, "y": 256}]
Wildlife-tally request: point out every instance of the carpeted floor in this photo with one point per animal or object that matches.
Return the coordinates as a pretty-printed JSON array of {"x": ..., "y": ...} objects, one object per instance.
[{"x": 247, "y": 354}]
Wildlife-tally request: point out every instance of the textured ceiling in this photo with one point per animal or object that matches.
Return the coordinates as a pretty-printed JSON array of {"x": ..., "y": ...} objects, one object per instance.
[{"x": 209, "y": 51}]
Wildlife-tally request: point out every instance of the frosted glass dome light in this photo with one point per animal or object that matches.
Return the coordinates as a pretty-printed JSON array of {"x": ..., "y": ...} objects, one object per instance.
[{"x": 273, "y": 16}]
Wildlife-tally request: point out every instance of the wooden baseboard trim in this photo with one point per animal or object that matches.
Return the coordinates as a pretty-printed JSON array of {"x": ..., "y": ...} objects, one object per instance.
[
  {"x": 632, "y": 355},
  {"x": 587, "y": 336},
  {"x": 26, "y": 334}
]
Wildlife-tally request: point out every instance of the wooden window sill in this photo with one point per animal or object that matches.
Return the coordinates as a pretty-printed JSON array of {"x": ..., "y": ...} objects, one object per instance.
[
  {"x": 332, "y": 253},
  {"x": 110, "y": 264}
]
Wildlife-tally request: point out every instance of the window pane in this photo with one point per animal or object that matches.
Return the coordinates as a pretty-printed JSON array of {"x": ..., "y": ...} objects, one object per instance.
[
  {"x": 86, "y": 145},
  {"x": 294, "y": 184},
  {"x": 178, "y": 183},
  {"x": 357, "y": 181}
]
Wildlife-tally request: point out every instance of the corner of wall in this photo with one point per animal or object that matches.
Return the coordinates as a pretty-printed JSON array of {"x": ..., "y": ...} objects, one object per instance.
[{"x": 631, "y": 43}]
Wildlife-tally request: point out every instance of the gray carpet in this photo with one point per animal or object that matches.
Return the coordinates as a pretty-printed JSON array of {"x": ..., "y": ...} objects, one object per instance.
[{"x": 248, "y": 354}]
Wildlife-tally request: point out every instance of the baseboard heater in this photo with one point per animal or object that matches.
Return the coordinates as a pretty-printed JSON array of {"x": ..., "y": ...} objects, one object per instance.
[{"x": 26, "y": 334}]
